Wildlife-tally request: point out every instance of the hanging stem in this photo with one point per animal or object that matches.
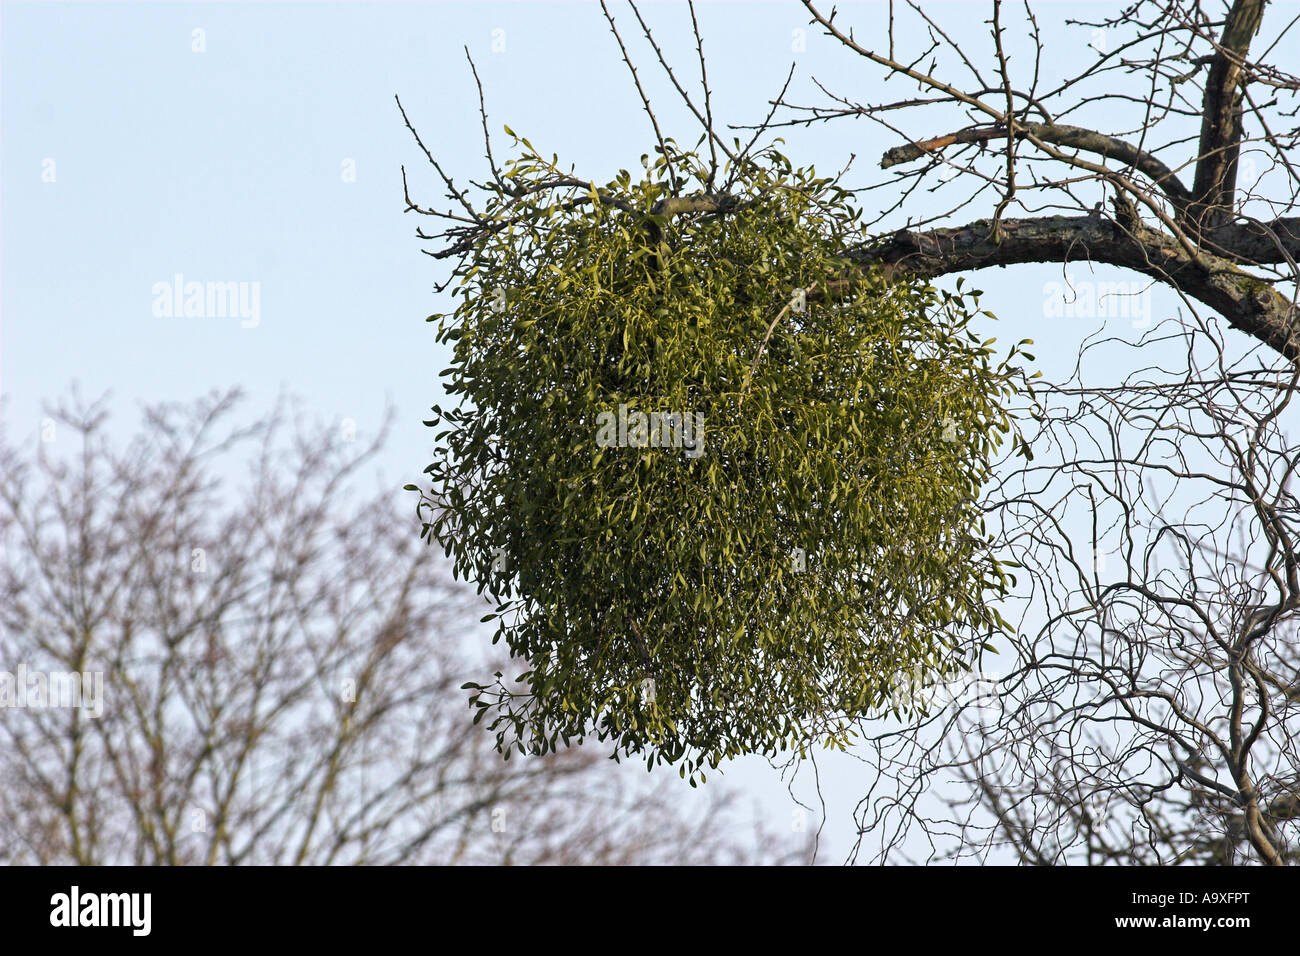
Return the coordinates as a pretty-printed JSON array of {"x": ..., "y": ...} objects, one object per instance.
[{"x": 763, "y": 345}]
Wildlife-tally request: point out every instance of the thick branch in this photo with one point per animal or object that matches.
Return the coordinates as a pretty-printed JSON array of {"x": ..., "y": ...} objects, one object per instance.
[
  {"x": 1263, "y": 243},
  {"x": 1249, "y": 304},
  {"x": 1221, "y": 124}
]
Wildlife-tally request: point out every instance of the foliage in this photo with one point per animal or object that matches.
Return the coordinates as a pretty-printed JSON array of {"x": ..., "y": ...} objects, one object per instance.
[{"x": 759, "y": 590}]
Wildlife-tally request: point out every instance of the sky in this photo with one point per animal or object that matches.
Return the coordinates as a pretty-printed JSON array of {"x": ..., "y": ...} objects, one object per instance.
[{"x": 260, "y": 144}]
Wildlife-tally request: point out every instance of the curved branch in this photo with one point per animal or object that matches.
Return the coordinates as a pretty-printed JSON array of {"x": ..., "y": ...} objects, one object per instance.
[
  {"x": 1248, "y": 303},
  {"x": 1074, "y": 137}
]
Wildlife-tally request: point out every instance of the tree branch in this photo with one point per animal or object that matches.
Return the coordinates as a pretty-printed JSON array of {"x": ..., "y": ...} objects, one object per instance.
[
  {"x": 1221, "y": 123},
  {"x": 1074, "y": 137},
  {"x": 1248, "y": 303}
]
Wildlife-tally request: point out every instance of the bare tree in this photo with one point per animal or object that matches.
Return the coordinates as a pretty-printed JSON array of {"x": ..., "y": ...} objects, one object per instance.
[{"x": 281, "y": 670}]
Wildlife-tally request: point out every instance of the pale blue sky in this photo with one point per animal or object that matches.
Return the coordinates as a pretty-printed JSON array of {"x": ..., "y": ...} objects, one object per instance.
[{"x": 226, "y": 165}]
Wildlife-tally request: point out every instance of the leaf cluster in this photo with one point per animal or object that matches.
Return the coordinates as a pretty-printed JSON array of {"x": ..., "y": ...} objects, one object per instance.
[{"x": 765, "y": 590}]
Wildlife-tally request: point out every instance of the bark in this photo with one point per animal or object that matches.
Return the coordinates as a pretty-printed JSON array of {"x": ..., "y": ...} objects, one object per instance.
[
  {"x": 1221, "y": 122},
  {"x": 1248, "y": 303}
]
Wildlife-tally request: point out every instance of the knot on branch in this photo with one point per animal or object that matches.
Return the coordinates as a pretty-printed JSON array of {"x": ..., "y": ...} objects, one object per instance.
[{"x": 1126, "y": 213}]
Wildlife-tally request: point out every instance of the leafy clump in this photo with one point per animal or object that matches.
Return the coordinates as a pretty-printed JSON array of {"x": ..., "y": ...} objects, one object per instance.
[{"x": 720, "y": 515}]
